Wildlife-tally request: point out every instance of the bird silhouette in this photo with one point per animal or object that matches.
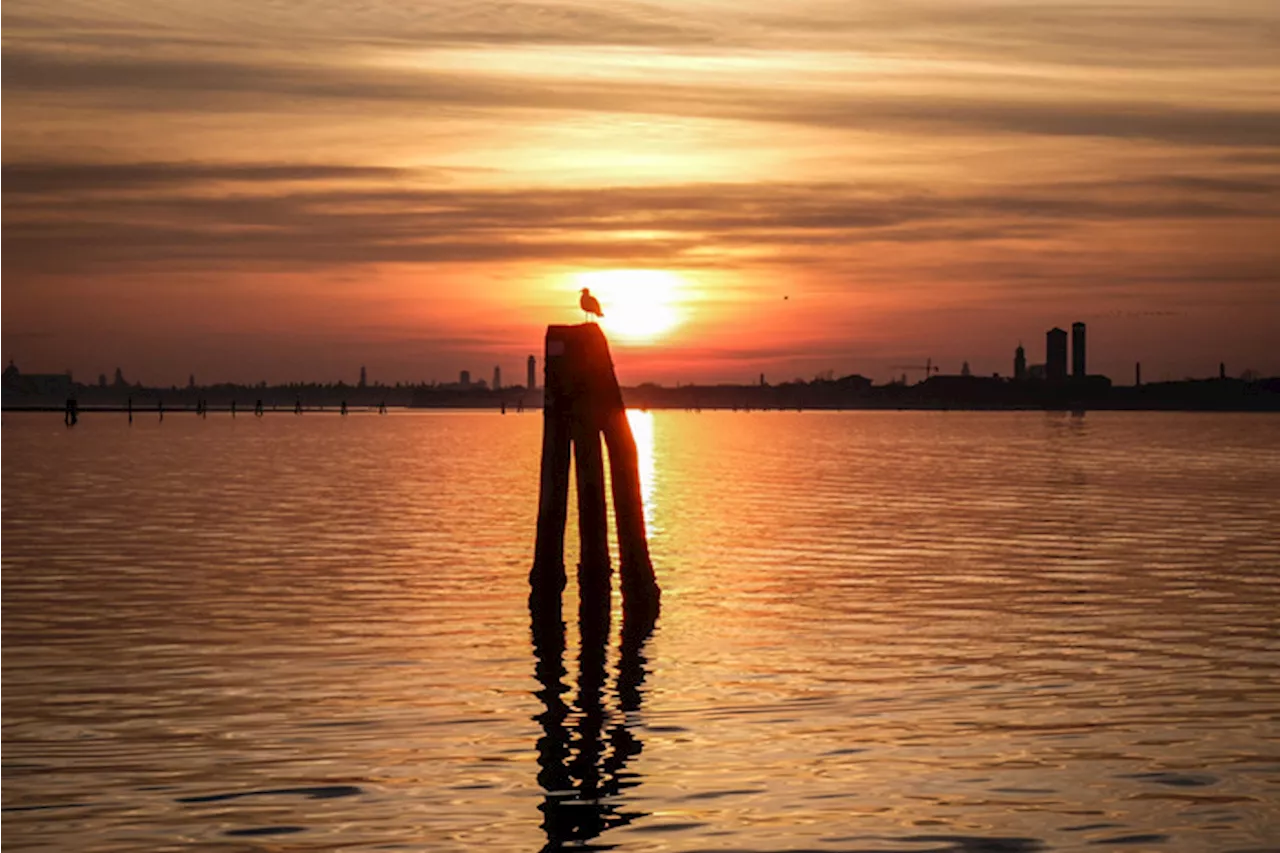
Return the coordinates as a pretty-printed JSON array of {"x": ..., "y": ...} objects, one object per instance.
[{"x": 589, "y": 304}]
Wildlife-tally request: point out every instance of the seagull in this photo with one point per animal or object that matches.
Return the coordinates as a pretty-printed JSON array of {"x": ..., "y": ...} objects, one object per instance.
[{"x": 589, "y": 304}]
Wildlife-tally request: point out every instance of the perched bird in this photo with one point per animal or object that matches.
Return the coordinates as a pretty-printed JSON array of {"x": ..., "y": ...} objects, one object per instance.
[{"x": 589, "y": 304}]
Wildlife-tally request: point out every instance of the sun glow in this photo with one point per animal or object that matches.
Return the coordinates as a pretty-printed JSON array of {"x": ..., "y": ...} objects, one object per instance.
[{"x": 639, "y": 305}]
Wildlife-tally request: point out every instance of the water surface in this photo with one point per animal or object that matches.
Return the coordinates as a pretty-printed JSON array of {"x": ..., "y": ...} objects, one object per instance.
[{"x": 882, "y": 631}]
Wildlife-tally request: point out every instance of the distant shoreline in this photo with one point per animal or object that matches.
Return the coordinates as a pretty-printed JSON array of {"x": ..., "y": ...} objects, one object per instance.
[
  {"x": 852, "y": 393},
  {"x": 1260, "y": 407}
]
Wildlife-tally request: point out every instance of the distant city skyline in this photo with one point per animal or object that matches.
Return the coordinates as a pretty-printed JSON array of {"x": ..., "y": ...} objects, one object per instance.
[{"x": 1072, "y": 356}]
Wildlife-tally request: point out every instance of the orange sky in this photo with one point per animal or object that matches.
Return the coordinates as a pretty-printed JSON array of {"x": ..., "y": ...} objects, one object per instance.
[{"x": 289, "y": 191}]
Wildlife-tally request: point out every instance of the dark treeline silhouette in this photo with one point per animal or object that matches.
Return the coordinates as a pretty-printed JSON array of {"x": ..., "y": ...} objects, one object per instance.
[
  {"x": 967, "y": 392},
  {"x": 20, "y": 394},
  {"x": 851, "y": 392}
]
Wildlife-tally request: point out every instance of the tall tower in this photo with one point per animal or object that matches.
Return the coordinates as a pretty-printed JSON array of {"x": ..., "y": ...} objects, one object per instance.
[
  {"x": 364, "y": 378},
  {"x": 464, "y": 378},
  {"x": 1020, "y": 363},
  {"x": 1078, "y": 370},
  {"x": 1055, "y": 354},
  {"x": 497, "y": 378},
  {"x": 533, "y": 374}
]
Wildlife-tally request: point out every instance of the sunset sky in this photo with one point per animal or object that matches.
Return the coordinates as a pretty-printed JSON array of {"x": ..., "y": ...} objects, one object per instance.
[{"x": 290, "y": 190}]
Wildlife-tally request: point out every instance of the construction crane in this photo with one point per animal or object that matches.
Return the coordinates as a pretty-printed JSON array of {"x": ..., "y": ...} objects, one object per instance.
[{"x": 928, "y": 367}]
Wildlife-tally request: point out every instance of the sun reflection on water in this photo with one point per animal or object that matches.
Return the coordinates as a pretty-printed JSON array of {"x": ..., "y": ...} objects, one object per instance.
[{"x": 642, "y": 428}]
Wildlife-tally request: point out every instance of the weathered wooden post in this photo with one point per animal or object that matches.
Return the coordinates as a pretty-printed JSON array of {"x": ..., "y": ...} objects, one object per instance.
[{"x": 582, "y": 400}]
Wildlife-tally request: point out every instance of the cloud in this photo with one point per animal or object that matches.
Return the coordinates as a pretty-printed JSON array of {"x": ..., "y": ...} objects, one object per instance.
[
  {"x": 1135, "y": 34},
  {"x": 129, "y": 82},
  {"x": 91, "y": 216},
  {"x": 40, "y": 178}
]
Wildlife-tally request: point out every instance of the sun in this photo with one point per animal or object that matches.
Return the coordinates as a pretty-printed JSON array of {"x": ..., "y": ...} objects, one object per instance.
[{"x": 639, "y": 305}]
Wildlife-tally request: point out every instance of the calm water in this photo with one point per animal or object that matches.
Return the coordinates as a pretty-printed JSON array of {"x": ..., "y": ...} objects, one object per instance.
[{"x": 881, "y": 632}]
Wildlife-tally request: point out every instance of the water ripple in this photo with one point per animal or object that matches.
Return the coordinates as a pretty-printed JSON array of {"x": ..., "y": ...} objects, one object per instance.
[{"x": 959, "y": 632}]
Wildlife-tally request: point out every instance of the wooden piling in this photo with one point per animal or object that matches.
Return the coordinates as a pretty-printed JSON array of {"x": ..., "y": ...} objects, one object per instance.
[
  {"x": 593, "y": 513},
  {"x": 582, "y": 400},
  {"x": 547, "y": 577}
]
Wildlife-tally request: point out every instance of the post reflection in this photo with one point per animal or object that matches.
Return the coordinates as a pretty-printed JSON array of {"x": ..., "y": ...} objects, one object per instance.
[{"x": 585, "y": 746}]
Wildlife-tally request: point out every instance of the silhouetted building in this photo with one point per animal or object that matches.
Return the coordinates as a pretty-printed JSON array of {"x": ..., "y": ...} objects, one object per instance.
[
  {"x": 1137, "y": 373},
  {"x": 364, "y": 378},
  {"x": 1055, "y": 354},
  {"x": 1222, "y": 370},
  {"x": 497, "y": 378},
  {"x": 964, "y": 369},
  {"x": 464, "y": 379},
  {"x": 11, "y": 376},
  {"x": 1020, "y": 363},
  {"x": 853, "y": 383},
  {"x": 532, "y": 380},
  {"x": 965, "y": 389},
  {"x": 50, "y": 386},
  {"x": 1078, "y": 368}
]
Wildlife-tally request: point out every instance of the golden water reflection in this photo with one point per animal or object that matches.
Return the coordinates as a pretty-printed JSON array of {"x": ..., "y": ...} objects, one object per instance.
[
  {"x": 880, "y": 631},
  {"x": 641, "y": 422}
]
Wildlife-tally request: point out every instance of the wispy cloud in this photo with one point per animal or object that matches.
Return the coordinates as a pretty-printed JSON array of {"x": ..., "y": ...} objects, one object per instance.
[
  {"x": 37, "y": 179},
  {"x": 93, "y": 216},
  {"x": 222, "y": 85},
  {"x": 1141, "y": 33}
]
